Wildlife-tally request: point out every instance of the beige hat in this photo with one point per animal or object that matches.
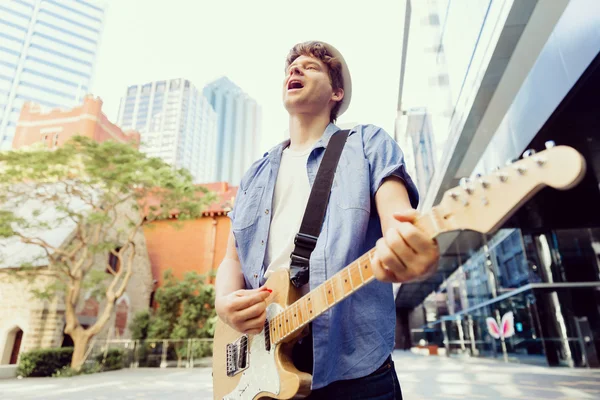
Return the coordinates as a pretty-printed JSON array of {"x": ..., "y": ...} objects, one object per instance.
[{"x": 345, "y": 77}]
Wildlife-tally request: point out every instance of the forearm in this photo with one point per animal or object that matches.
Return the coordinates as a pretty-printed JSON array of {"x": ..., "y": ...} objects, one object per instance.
[{"x": 229, "y": 278}]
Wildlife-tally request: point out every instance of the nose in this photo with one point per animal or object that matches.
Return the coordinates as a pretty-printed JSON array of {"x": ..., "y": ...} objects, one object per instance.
[{"x": 295, "y": 70}]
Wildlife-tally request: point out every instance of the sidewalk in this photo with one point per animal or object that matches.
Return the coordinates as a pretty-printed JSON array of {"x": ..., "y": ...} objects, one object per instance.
[{"x": 440, "y": 377}]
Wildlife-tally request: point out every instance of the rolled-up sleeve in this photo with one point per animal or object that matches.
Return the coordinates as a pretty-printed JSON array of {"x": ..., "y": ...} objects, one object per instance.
[{"x": 386, "y": 159}]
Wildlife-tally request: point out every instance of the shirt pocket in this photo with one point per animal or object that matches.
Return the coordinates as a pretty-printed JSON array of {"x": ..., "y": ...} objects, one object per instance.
[
  {"x": 248, "y": 203},
  {"x": 352, "y": 184}
]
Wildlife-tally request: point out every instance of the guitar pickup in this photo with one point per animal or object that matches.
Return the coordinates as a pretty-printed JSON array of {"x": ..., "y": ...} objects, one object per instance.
[{"x": 237, "y": 356}]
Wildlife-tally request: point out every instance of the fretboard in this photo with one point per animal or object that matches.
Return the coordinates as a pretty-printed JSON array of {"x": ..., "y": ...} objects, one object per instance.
[{"x": 341, "y": 285}]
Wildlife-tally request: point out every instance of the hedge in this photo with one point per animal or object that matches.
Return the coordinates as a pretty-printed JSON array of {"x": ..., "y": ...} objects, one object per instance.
[{"x": 44, "y": 362}]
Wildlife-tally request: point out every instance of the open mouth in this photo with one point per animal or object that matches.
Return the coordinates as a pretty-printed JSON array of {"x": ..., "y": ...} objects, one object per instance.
[{"x": 295, "y": 84}]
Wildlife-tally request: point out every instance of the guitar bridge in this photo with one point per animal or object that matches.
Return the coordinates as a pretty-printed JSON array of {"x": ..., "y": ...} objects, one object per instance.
[{"x": 237, "y": 356}]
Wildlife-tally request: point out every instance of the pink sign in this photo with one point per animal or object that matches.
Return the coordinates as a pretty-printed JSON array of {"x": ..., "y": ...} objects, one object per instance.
[{"x": 508, "y": 326}]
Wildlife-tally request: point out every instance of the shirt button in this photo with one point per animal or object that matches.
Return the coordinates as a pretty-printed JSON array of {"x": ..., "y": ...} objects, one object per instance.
[
  {"x": 267, "y": 211},
  {"x": 262, "y": 242}
]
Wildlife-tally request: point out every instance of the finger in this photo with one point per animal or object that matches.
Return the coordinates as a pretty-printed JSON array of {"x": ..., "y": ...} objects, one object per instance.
[
  {"x": 408, "y": 215},
  {"x": 380, "y": 272},
  {"x": 415, "y": 238},
  {"x": 248, "y": 300},
  {"x": 252, "y": 311},
  {"x": 403, "y": 252},
  {"x": 255, "y": 325},
  {"x": 388, "y": 258}
]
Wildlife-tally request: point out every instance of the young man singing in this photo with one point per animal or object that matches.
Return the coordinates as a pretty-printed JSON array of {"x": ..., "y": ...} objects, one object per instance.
[{"x": 372, "y": 204}]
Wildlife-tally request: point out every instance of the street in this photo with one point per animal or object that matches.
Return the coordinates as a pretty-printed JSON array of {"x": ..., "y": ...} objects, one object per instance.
[{"x": 420, "y": 377}]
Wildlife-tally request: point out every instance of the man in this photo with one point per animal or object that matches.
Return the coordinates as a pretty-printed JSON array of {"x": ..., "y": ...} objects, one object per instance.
[{"x": 371, "y": 204}]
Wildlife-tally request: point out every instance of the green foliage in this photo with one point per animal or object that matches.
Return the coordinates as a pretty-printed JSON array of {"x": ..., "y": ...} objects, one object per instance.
[
  {"x": 106, "y": 192},
  {"x": 139, "y": 325},
  {"x": 185, "y": 310},
  {"x": 99, "y": 187},
  {"x": 113, "y": 360},
  {"x": 87, "y": 368},
  {"x": 44, "y": 362}
]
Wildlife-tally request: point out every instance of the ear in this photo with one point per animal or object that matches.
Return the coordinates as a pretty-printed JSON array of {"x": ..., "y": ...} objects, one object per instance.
[{"x": 337, "y": 94}]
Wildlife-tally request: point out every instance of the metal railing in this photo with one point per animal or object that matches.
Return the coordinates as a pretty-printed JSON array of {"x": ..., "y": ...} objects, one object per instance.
[{"x": 157, "y": 353}]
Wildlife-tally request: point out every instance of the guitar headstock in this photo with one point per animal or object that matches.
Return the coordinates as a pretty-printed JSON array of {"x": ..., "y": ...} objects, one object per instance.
[{"x": 484, "y": 203}]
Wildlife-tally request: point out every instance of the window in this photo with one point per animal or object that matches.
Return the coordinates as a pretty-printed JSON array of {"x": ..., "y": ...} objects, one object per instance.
[
  {"x": 174, "y": 84},
  {"x": 160, "y": 87},
  {"x": 113, "y": 262},
  {"x": 132, "y": 90},
  {"x": 146, "y": 89},
  {"x": 55, "y": 140}
]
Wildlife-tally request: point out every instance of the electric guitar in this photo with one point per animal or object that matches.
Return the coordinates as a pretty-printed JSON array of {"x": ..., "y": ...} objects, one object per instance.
[{"x": 259, "y": 366}]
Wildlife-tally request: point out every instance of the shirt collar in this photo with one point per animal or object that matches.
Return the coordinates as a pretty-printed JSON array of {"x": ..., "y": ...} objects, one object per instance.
[{"x": 274, "y": 154}]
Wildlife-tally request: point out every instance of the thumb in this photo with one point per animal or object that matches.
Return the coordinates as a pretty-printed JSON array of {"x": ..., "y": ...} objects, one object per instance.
[{"x": 407, "y": 215}]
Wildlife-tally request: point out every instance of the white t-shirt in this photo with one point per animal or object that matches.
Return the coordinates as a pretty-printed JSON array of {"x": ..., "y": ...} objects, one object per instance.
[{"x": 289, "y": 203}]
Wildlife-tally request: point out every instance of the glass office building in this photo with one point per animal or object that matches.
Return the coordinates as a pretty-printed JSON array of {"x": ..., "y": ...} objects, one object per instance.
[
  {"x": 508, "y": 76},
  {"x": 47, "y": 55},
  {"x": 238, "y": 129},
  {"x": 176, "y": 124}
]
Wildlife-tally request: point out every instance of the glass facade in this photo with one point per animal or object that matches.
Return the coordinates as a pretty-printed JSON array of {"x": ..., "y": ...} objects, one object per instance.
[
  {"x": 550, "y": 283},
  {"x": 238, "y": 127},
  {"x": 176, "y": 123},
  {"x": 47, "y": 55},
  {"x": 538, "y": 277}
]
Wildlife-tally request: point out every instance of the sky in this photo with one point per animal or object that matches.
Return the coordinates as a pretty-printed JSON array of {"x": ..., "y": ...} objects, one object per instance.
[{"x": 248, "y": 41}]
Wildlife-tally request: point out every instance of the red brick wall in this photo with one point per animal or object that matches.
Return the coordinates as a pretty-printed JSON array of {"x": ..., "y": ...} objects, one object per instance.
[
  {"x": 85, "y": 120},
  {"x": 187, "y": 248}
]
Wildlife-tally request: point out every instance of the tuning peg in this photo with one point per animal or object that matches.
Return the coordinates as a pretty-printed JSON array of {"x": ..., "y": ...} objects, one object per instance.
[
  {"x": 485, "y": 184},
  {"x": 465, "y": 183},
  {"x": 501, "y": 176},
  {"x": 528, "y": 153},
  {"x": 520, "y": 169},
  {"x": 550, "y": 144}
]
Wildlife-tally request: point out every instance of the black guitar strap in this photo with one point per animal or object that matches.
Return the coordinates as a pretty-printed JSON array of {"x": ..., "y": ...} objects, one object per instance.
[{"x": 306, "y": 239}]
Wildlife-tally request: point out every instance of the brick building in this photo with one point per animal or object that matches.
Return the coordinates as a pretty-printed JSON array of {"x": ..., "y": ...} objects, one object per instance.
[
  {"x": 55, "y": 127},
  {"x": 196, "y": 245},
  {"x": 28, "y": 322}
]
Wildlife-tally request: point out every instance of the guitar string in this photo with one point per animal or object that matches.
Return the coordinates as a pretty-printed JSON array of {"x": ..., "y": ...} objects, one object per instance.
[{"x": 362, "y": 259}]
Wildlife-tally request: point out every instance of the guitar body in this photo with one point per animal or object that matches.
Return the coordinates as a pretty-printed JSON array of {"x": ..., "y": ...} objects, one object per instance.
[{"x": 256, "y": 372}]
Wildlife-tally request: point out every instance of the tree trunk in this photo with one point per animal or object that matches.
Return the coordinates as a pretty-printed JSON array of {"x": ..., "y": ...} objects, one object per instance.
[{"x": 80, "y": 342}]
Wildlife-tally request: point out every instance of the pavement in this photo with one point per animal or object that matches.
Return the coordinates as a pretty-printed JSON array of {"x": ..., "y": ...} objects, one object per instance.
[{"x": 421, "y": 377}]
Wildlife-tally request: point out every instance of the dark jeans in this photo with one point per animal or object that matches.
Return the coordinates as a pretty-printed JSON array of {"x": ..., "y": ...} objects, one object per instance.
[{"x": 380, "y": 385}]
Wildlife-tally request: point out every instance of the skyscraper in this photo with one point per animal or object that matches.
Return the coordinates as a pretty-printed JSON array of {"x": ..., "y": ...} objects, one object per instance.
[
  {"x": 176, "y": 123},
  {"x": 47, "y": 55},
  {"x": 238, "y": 129}
]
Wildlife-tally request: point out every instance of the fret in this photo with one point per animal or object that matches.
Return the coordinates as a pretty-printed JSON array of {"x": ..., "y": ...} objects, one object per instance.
[
  {"x": 366, "y": 270},
  {"x": 309, "y": 307},
  {"x": 300, "y": 313},
  {"x": 355, "y": 276},
  {"x": 346, "y": 280},
  {"x": 286, "y": 322},
  {"x": 279, "y": 326},
  {"x": 297, "y": 322},
  {"x": 273, "y": 331},
  {"x": 329, "y": 293},
  {"x": 336, "y": 282}
]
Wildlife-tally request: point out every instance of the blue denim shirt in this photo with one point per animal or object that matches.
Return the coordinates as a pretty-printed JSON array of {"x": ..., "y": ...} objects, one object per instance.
[{"x": 355, "y": 337}]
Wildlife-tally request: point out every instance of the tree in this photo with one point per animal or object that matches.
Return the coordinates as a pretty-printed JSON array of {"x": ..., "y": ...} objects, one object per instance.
[
  {"x": 185, "y": 311},
  {"x": 105, "y": 192}
]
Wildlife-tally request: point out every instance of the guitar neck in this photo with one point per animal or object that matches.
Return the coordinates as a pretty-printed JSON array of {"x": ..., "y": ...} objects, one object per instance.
[{"x": 340, "y": 286}]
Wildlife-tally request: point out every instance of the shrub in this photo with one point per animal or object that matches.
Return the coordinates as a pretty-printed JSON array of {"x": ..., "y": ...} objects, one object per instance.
[
  {"x": 114, "y": 359},
  {"x": 44, "y": 362}
]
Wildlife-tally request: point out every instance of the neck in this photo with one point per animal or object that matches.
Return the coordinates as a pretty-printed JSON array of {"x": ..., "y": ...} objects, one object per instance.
[{"x": 305, "y": 130}]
